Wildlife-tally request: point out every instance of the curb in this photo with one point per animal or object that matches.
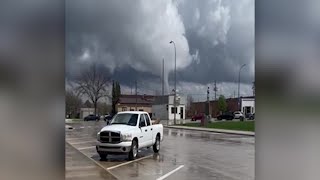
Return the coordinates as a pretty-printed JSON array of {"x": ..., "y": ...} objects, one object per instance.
[{"x": 214, "y": 130}]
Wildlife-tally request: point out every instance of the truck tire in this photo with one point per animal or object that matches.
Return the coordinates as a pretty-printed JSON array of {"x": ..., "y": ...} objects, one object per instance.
[
  {"x": 156, "y": 145},
  {"x": 134, "y": 150},
  {"x": 103, "y": 156}
]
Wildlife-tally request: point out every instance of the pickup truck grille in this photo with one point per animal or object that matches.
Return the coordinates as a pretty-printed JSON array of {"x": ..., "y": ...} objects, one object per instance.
[{"x": 110, "y": 137}]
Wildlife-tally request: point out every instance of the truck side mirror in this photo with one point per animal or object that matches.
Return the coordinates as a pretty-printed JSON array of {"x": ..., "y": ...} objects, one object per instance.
[{"x": 140, "y": 125}]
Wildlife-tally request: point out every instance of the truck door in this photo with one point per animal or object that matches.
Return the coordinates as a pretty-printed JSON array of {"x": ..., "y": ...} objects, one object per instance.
[
  {"x": 143, "y": 138},
  {"x": 150, "y": 131}
]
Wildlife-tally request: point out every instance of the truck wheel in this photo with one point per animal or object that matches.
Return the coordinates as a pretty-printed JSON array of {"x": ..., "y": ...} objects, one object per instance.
[
  {"x": 134, "y": 150},
  {"x": 103, "y": 156},
  {"x": 156, "y": 146}
]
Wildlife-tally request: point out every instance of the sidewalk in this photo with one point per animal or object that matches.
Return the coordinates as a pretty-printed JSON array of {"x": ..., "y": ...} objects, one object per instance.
[{"x": 246, "y": 133}]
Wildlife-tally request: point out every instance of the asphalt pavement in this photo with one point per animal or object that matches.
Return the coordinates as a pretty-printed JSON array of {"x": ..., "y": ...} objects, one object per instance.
[{"x": 184, "y": 154}]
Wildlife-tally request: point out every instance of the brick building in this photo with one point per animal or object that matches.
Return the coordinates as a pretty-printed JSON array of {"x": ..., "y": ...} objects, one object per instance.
[
  {"x": 232, "y": 105},
  {"x": 133, "y": 102}
]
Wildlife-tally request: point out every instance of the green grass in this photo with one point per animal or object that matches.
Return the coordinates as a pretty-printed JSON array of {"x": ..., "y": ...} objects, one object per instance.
[{"x": 229, "y": 125}]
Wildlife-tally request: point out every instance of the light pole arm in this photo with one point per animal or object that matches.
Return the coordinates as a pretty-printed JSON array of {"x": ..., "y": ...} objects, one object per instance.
[{"x": 239, "y": 86}]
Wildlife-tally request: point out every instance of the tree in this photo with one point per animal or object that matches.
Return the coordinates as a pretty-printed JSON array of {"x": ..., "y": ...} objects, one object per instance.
[
  {"x": 189, "y": 102},
  {"x": 104, "y": 108},
  {"x": 116, "y": 92},
  {"x": 87, "y": 104},
  {"x": 222, "y": 104},
  {"x": 73, "y": 103},
  {"x": 93, "y": 83},
  {"x": 189, "y": 106}
]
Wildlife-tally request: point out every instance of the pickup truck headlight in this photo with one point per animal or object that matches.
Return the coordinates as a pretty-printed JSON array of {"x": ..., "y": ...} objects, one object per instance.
[
  {"x": 98, "y": 136},
  {"x": 126, "y": 137}
]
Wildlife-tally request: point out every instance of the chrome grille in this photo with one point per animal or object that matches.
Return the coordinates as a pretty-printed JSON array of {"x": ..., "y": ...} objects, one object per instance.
[{"x": 110, "y": 137}]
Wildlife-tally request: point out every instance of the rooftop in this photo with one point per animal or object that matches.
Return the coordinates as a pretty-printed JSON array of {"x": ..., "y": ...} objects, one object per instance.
[{"x": 136, "y": 99}]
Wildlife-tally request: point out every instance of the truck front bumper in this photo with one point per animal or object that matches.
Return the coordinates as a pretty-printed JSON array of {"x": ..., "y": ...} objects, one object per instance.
[{"x": 120, "y": 148}]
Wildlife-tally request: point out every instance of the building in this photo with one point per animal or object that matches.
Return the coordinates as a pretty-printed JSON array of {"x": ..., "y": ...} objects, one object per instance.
[
  {"x": 85, "y": 112},
  {"x": 247, "y": 105},
  {"x": 163, "y": 108},
  {"x": 135, "y": 103}
]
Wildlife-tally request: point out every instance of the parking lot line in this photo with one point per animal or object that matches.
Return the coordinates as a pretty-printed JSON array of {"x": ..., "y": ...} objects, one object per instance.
[
  {"x": 83, "y": 148},
  {"x": 122, "y": 164},
  {"x": 78, "y": 138},
  {"x": 82, "y": 142},
  {"x": 95, "y": 161},
  {"x": 169, "y": 173}
]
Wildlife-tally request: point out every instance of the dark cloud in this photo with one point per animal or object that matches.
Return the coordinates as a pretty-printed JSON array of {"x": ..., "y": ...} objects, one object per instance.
[
  {"x": 213, "y": 39},
  {"x": 221, "y": 54}
]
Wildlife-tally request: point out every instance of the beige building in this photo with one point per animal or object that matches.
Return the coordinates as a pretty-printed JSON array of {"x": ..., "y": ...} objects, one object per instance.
[
  {"x": 136, "y": 103},
  {"x": 85, "y": 112}
]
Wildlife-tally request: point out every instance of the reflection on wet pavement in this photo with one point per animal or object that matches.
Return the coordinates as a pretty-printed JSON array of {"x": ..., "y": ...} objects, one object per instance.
[
  {"x": 79, "y": 167},
  {"x": 204, "y": 155}
]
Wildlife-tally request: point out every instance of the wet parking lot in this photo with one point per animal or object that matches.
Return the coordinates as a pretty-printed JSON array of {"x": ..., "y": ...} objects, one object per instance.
[{"x": 184, "y": 154}]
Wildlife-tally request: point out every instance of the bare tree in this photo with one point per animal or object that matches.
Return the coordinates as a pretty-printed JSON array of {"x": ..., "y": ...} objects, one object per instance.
[
  {"x": 93, "y": 83},
  {"x": 189, "y": 101},
  {"x": 73, "y": 103}
]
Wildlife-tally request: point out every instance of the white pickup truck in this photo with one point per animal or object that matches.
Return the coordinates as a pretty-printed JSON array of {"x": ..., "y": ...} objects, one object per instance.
[{"x": 128, "y": 132}]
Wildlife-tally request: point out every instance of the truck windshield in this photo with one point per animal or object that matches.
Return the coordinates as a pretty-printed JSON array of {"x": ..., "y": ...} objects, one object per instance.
[{"x": 127, "y": 119}]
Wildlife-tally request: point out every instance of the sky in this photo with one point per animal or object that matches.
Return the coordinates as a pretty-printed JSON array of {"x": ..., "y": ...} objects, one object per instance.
[{"x": 129, "y": 39}]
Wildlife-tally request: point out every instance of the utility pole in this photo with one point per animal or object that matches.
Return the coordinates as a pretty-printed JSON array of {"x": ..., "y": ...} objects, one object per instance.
[
  {"x": 136, "y": 95},
  {"x": 239, "y": 87},
  {"x": 215, "y": 90},
  {"x": 208, "y": 107},
  {"x": 175, "y": 82},
  {"x": 162, "y": 77}
]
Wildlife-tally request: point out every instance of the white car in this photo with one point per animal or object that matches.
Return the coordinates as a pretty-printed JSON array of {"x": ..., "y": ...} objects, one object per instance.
[
  {"x": 128, "y": 132},
  {"x": 238, "y": 115}
]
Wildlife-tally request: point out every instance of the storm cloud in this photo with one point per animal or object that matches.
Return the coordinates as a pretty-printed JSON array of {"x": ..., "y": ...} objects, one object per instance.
[{"x": 129, "y": 39}]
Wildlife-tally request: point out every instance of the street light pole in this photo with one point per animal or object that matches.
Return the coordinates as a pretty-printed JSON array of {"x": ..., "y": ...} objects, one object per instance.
[
  {"x": 239, "y": 87},
  {"x": 175, "y": 83}
]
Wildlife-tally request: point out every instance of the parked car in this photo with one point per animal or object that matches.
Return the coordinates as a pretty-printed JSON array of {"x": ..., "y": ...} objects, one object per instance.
[
  {"x": 91, "y": 117},
  {"x": 238, "y": 115},
  {"x": 127, "y": 133},
  {"x": 251, "y": 116},
  {"x": 226, "y": 116},
  {"x": 108, "y": 118},
  {"x": 197, "y": 117}
]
